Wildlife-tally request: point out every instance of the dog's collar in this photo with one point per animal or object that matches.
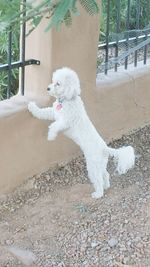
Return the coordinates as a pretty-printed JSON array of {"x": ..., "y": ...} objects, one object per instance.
[
  {"x": 59, "y": 103},
  {"x": 60, "y": 100}
]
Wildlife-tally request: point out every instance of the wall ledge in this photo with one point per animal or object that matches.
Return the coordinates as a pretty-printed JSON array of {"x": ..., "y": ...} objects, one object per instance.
[
  {"x": 122, "y": 76},
  {"x": 19, "y": 103}
]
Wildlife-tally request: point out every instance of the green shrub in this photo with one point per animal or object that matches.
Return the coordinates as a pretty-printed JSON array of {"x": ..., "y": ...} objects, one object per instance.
[
  {"x": 144, "y": 17},
  {"x": 3, "y": 60},
  {"x": 6, "y": 9}
]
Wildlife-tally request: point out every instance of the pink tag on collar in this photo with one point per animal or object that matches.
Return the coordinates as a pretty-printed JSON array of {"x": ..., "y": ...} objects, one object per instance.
[{"x": 59, "y": 106}]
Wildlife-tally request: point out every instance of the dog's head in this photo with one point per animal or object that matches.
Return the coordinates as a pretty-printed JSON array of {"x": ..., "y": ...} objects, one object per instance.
[{"x": 65, "y": 84}]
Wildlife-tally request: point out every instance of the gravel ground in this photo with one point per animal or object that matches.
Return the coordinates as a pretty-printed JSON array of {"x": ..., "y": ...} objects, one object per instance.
[{"x": 52, "y": 221}]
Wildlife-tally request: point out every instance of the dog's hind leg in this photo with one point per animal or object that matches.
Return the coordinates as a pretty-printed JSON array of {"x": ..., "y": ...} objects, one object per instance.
[
  {"x": 106, "y": 181},
  {"x": 96, "y": 177}
]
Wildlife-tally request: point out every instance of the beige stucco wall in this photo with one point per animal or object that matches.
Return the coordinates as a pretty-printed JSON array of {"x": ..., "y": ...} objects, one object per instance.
[
  {"x": 124, "y": 100},
  {"x": 74, "y": 46},
  {"x": 118, "y": 104}
]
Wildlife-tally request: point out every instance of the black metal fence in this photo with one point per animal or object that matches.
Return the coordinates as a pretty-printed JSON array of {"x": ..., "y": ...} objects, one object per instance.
[
  {"x": 11, "y": 65},
  {"x": 125, "y": 34}
]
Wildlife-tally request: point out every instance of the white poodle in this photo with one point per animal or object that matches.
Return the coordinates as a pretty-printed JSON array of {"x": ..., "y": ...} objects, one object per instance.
[{"x": 70, "y": 117}]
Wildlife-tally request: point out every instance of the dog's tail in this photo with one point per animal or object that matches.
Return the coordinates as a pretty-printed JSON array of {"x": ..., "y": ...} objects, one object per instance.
[{"x": 124, "y": 157}]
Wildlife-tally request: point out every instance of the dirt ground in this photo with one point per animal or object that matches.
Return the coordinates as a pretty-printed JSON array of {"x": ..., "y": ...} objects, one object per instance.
[{"x": 52, "y": 221}]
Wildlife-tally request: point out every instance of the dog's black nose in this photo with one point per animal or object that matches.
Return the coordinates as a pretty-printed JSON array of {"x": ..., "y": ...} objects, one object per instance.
[{"x": 48, "y": 89}]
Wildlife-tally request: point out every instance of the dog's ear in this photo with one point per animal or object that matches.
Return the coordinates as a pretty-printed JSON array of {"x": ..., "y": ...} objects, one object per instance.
[{"x": 72, "y": 86}]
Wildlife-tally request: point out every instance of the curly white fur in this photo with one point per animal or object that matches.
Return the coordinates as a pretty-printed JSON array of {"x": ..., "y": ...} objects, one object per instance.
[{"x": 70, "y": 117}]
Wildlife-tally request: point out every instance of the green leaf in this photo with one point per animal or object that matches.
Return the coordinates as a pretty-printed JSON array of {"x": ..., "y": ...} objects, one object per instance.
[
  {"x": 90, "y": 6},
  {"x": 36, "y": 21},
  {"x": 68, "y": 19},
  {"x": 59, "y": 13}
]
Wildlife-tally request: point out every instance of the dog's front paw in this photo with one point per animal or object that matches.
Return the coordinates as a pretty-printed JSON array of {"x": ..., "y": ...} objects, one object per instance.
[
  {"x": 32, "y": 106},
  {"x": 51, "y": 136}
]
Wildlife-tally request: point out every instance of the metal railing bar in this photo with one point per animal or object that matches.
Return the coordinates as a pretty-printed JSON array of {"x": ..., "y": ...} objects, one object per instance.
[
  {"x": 145, "y": 48},
  {"x": 137, "y": 27},
  {"x": 9, "y": 62},
  {"x": 114, "y": 43},
  {"x": 22, "y": 54},
  {"x": 133, "y": 42},
  {"x": 127, "y": 53},
  {"x": 22, "y": 63},
  {"x": 107, "y": 34},
  {"x": 117, "y": 30},
  {"x": 19, "y": 64},
  {"x": 127, "y": 27}
]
